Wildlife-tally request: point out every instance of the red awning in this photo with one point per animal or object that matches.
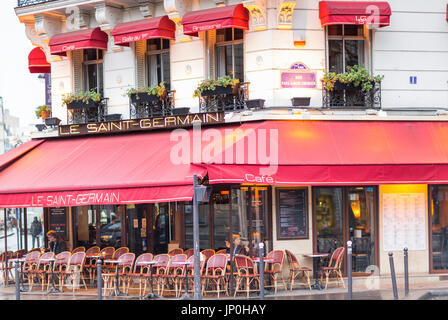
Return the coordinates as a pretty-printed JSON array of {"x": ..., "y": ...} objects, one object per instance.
[
  {"x": 116, "y": 169},
  {"x": 160, "y": 27},
  {"x": 76, "y": 40},
  {"x": 216, "y": 18},
  {"x": 336, "y": 153},
  {"x": 354, "y": 12},
  {"x": 37, "y": 61}
]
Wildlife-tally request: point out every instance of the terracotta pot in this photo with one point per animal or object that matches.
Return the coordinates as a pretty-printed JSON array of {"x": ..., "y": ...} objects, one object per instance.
[{"x": 45, "y": 114}]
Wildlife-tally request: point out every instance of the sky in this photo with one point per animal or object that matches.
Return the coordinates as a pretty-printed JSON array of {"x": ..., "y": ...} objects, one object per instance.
[{"x": 21, "y": 90}]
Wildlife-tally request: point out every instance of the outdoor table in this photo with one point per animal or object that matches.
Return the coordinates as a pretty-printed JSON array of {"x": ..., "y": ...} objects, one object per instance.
[
  {"x": 316, "y": 259},
  {"x": 184, "y": 263},
  {"x": 266, "y": 260},
  {"x": 117, "y": 291},
  {"x": 21, "y": 261},
  {"x": 53, "y": 289},
  {"x": 151, "y": 293},
  {"x": 94, "y": 256}
]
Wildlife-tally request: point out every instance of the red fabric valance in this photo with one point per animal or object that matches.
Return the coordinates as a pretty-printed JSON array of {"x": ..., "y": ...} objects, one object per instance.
[
  {"x": 76, "y": 40},
  {"x": 37, "y": 61}
]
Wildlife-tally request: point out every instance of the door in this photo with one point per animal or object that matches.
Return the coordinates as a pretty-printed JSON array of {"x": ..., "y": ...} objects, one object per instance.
[
  {"x": 136, "y": 223},
  {"x": 161, "y": 236}
]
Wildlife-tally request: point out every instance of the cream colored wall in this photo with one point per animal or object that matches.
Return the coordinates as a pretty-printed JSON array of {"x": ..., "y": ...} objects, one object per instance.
[
  {"x": 297, "y": 247},
  {"x": 418, "y": 260}
]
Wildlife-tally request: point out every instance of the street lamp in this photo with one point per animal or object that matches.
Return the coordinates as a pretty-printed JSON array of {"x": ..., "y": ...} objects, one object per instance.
[{"x": 201, "y": 194}]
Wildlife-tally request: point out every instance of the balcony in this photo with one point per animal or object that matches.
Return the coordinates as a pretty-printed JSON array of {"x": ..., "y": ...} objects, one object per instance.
[
  {"x": 25, "y": 3},
  {"x": 80, "y": 112},
  {"x": 350, "y": 97},
  {"x": 143, "y": 105},
  {"x": 225, "y": 98}
]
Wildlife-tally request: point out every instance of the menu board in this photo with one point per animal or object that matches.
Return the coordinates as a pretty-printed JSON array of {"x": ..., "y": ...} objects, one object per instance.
[
  {"x": 404, "y": 221},
  {"x": 292, "y": 214},
  {"x": 58, "y": 221}
]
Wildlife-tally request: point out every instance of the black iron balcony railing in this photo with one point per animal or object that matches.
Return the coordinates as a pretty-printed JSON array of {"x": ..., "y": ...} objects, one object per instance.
[
  {"x": 225, "y": 98},
  {"x": 143, "y": 105},
  {"x": 350, "y": 97},
  {"x": 24, "y": 3},
  {"x": 79, "y": 113}
]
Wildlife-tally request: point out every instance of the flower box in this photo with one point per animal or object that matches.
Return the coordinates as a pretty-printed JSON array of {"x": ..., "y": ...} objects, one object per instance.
[
  {"x": 301, "y": 101},
  {"x": 52, "y": 121},
  {"x": 255, "y": 104},
  {"x": 178, "y": 111},
  {"x": 113, "y": 117},
  {"x": 219, "y": 90},
  {"x": 79, "y": 104},
  {"x": 143, "y": 97}
]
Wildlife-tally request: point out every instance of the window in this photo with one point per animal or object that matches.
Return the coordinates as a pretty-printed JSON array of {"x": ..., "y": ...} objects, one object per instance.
[
  {"x": 346, "y": 47},
  {"x": 93, "y": 70},
  {"x": 229, "y": 53},
  {"x": 158, "y": 62},
  {"x": 439, "y": 227}
]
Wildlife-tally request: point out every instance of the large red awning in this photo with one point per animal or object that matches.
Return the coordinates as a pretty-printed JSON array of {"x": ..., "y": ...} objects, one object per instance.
[
  {"x": 37, "y": 61},
  {"x": 335, "y": 153},
  {"x": 216, "y": 18},
  {"x": 160, "y": 27},
  {"x": 354, "y": 13},
  {"x": 76, "y": 40},
  {"x": 117, "y": 169}
]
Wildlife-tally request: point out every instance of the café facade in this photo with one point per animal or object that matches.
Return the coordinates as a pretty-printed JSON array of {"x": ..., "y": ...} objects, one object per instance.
[{"x": 303, "y": 177}]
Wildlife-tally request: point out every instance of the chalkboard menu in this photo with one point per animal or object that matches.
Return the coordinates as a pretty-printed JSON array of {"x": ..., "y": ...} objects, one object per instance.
[
  {"x": 58, "y": 221},
  {"x": 292, "y": 214}
]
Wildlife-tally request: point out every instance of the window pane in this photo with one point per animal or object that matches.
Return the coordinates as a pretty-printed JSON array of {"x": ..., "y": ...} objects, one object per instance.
[
  {"x": 110, "y": 225},
  {"x": 161, "y": 227},
  {"x": 166, "y": 68},
  {"x": 352, "y": 30},
  {"x": 335, "y": 30},
  {"x": 154, "y": 44},
  {"x": 221, "y": 61},
  {"x": 204, "y": 233},
  {"x": 90, "y": 54},
  {"x": 335, "y": 56},
  {"x": 154, "y": 69},
  {"x": 238, "y": 34},
  {"x": 329, "y": 221},
  {"x": 100, "y": 79},
  {"x": 239, "y": 61},
  {"x": 439, "y": 228},
  {"x": 165, "y": 43},
  {"x": 221, "y": 218},
  {"x": 354, "y": 53},
  {"x": 224, "y": 35},
  {"x": 91, "y": 77}
]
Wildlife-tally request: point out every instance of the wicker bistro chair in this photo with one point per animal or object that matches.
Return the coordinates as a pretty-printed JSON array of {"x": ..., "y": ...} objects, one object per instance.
[
  {"x": 189, "y": 252},
  {"x": 221, "y": 251},
  {"x": 124, "y": 268},
  {"x": 6, "y": 266},
  {"x": 90, "y": 265},
  {"x": 79, "y": 249},
  {"x": 41, "y": 271},
  {"x": 31, "y": 263},
  {"x": 169, "y": 280},
  {"x": 214, "y": 279},
  {"x": 73, "y": 273},
  {"x": 295, "y": 270},
  {"x": 190, "y": 274},
  {"x": 208, "y": 253},
  {"x": 59, "y": 266},
  {"x": 107, "y": 253},
  {"x": 175, "y": 251},
  {"x": 334, "y": 267},
  {"x": 246, "y": 275},
  {"x": 275, "y": 270},
  {"x": 139, "y": 270},
  {"x": 159, "y": 270}
]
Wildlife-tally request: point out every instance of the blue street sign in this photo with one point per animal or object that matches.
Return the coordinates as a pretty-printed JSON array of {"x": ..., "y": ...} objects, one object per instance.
[{"x": 412, "y": 80}]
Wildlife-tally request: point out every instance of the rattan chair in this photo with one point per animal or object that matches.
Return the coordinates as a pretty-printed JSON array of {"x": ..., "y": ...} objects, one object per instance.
[
  {"x": 247, "y": 279},
  {"x": 139, "y": 271},
  {"x": 215, "y": 274},
  {"x": 295, "y": 270},
  {"x": 334, "y": 267},
  {"x": 274, "y": 270}
]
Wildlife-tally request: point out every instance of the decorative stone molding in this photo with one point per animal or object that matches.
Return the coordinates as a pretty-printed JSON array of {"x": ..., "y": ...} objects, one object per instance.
[
  {"x": 257, "y": 9},
  {"x": 31, "y": 34},
  {"x": 147, "y": 8},
  {"x": 220, "y": 3},
  {"x": 76, "y": 19},
  {"x": 175, "y": 10},
  {"x": 285, "y": 13},
  {"x": 46, "y": 26},
  {"x": 108, "y": 16}
]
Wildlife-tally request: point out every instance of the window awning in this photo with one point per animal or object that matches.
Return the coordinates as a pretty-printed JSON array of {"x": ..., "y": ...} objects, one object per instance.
[
  {"x": 115, "y": 169},
  {"x": 337, "y": 153},
  {"x": 216, "y": 18},
  {"x": 76, "y": 40},
  {"x": 37, "y": 61},
  {"x": 154, "y": 28},
  {"x": 355, "y": 13}
]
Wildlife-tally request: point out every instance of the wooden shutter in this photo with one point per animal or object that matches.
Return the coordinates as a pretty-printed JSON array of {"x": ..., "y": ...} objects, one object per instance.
[
  {"x": 140, "y": 55},
  {"x": 211, "y": 41},
  {"x": 77, "y": 70}
]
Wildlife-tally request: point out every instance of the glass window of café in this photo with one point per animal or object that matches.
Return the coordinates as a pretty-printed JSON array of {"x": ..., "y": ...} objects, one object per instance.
[
  {"x": 158, "y": 65},
  {"x": 242, "y": 210},
  {"x": 93, "y": 70},
  {"x": 98, "y": 226},
  {"x": 347, "y": 213},
  {"x": 346, "y": 46},
  {"x": 438, "y": 220},
  {"x": 229, "y": 53}
]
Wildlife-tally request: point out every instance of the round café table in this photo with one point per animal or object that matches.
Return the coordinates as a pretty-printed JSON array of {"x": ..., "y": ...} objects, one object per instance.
[
  {"x": 184, "y": 263},
  {"x": 265, "y": 260},
  {"x": 316, "y": 260},
  {"x": 151, "y": 293},
  {"x": 117, "y": 291}
]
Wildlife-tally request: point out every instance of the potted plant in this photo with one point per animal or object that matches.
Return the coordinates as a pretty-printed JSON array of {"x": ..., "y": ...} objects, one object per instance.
[
  {"x": 222, "y": 85},
  {"x": 87, "y": 99},
  {"x": 353, "y": 79},
  {"x": 301, "y": 101},
  {"x": 43, "y": 112},
  {"x": 147, "y": 94},
  {"x": 255, "y": 104}
]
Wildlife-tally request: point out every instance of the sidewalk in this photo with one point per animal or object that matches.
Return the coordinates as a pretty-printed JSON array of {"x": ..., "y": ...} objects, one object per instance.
[{"x": 417, "y": 291}]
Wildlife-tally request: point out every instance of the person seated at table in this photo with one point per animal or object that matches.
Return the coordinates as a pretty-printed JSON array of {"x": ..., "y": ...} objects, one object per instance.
[
  {"x": 55, "y": 242},
  {"x": 238, "y": 248}
]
